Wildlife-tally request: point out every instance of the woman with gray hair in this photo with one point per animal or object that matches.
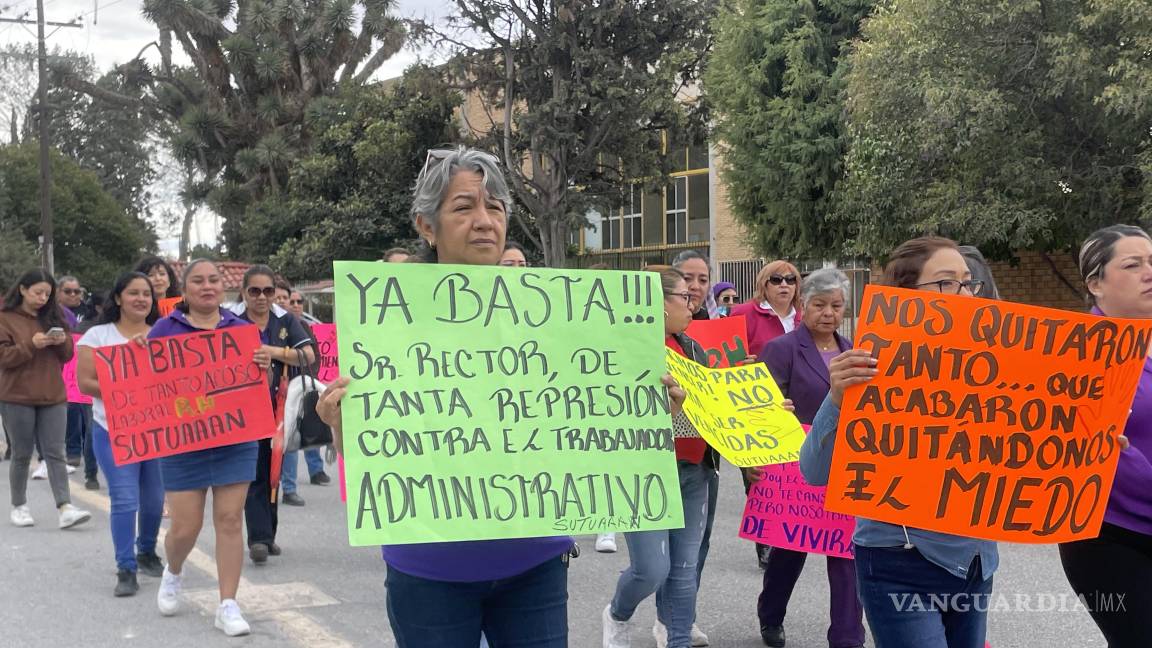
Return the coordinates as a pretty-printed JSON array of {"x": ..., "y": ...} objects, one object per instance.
[
  {"x": 799, "y": 363},
  {"x": 445, "y": 593}
]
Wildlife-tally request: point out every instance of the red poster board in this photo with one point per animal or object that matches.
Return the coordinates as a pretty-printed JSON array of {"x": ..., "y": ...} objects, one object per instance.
[
  {"x": 74, "y": 394},
  {"x": 725, "y": 339},
  {"x": 326, "y": 346},
  {"x": 184, "y": 393}
]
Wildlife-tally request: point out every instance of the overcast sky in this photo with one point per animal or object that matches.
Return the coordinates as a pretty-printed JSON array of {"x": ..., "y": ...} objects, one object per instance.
[{"x": 114, "y": 31}]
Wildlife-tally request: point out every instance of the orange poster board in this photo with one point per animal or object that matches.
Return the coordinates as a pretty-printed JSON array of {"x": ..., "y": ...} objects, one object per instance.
[
  {"x": 167, "y": 305},
  {"x": 988, "y": 419}
]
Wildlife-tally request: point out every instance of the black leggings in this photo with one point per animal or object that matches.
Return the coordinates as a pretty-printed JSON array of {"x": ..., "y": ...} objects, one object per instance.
[{"x": 1113, "y": 576}]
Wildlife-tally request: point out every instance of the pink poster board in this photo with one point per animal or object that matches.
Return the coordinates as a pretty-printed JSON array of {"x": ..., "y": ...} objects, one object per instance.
[
  {"x": 326, "y": 345},
  {"x": 74, "y": 395},
  {"x": 784, "y": 511}
]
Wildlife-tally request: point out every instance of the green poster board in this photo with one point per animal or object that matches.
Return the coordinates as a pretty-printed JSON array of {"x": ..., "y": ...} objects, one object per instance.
[{"x": 493, "y": 402}]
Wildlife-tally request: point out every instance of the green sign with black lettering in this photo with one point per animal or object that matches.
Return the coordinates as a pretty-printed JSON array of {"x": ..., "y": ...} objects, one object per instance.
[{"x": 492, "y": 402}]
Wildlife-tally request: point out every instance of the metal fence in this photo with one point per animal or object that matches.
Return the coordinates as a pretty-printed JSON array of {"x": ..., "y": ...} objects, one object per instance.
[{"x": 742, "y": 274}]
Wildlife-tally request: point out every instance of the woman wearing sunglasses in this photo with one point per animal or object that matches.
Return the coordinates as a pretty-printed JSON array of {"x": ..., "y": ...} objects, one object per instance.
[
  {"x": 773, "y": 309},
  {"x": 281, "y": 335}
]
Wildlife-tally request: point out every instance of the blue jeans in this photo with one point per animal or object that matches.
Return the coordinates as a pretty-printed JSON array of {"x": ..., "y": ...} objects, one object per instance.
[
  {"x": 137, "y": 494},
  {"x": 529, "y": 610},
  {"x": 78, "y": 440},
  {"x": 910, "y": 601},
  {"x": 664, "y": 562},
  {"x": 291, "y": 463},
  {"x": 706, "y": 541}
]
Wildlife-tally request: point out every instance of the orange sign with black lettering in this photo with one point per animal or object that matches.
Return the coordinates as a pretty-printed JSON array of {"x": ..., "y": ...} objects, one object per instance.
[{"x": 987, "y": 419}]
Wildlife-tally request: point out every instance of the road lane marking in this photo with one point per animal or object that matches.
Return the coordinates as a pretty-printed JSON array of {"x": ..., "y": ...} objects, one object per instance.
[{"x": 275, "y": 602}]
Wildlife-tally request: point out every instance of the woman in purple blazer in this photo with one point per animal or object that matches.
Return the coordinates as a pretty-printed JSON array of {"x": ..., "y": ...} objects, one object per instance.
[{"x": 799, "y": 363}]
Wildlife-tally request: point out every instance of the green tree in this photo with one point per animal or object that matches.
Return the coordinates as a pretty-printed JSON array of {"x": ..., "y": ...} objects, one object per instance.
[
  {"x": 582, "y": 93},
  {"x": 257, "y": 65},
  {"x": 350, "y": 198},
  {"x": 1007, "y": 125},
  {"x": 774, "y": 83},
  {"x": 95, "y": 238}
]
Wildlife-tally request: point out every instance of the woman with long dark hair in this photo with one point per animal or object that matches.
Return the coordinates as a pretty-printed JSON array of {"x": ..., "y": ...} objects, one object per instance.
[
  {"x": 891, "y": 559},
  {"x": 164, "y": 281},
  {"x": 35, "y": 344},
  {"x": 136, "y": 489}
]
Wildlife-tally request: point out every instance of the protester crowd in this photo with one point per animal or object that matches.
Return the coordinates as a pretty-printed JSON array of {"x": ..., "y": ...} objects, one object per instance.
[{"x": 514, "y": 592}]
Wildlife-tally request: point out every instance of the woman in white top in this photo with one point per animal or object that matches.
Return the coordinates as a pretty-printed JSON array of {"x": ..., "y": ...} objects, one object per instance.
[{"x": 136, "y": 489}]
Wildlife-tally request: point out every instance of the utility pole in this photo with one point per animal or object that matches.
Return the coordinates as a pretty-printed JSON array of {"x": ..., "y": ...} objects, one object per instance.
[{"x": 45, "y": 115}]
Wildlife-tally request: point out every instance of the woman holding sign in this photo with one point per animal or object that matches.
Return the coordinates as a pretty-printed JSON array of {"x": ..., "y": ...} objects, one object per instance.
[
  {"x": 799, "y": 362},
  {"x": 136, "y": 489},
  {"x": 664, "y": 562},
  {"x": 35, "y": 344},
  {"x": 1116, "y": 567},
  {"x": 445, "y": 593},
  {"x": 897, "y": 563},
  {"x": 227, "y": 470}
]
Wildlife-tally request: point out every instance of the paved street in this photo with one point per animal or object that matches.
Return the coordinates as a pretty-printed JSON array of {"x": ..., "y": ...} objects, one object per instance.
[{"x": 57, "y": 588}]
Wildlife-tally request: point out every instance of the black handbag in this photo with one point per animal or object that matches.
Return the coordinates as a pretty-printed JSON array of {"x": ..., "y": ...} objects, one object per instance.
[{"x": 314, "y": 432}]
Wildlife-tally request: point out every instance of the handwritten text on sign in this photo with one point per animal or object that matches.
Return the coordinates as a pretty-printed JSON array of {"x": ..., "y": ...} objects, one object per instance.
[
  {"x": 184, "y": 393},
  {"x": 739, "y": 412},
  {"x": 326, "y": 345},
  {"x": 724, "y": 340},
  {"x": 70, "y": 384},
  {"x": 988, "y": 419},
  {"x": 784, "y": 511},
  {"x": 503, "y": 403}
]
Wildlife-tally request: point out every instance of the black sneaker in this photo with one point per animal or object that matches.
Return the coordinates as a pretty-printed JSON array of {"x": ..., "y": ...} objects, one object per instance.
[
  {"x": 92, "y": 484},
  {"x": 773, "y": 636},
  {"x": 292, "y": 499},
  {"x": 258, "y": 552},
  {"x": 321, "y": 479},
  {"x": 150, "y": 564},
  {"x": 125, "y": 583},
  {"x": 274, "y": 549}
]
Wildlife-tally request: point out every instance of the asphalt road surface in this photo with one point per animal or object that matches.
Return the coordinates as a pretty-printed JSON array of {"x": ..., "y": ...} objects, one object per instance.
[{"x": 56, "y": 588}]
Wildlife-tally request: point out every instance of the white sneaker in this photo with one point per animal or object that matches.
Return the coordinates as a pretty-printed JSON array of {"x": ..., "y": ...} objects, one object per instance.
[
  {"x": 699, "y": 639},
  {"x": 41, "y": 471},
  {"x": 168, "y": 596},
  {"x": 21, "y": 516},
  {"x": 606, "y": 543},
  {"x": 70, "y": 469},
  {"x": 71, "y": 516},
  {"x": 616, "y": 633},
  {"x": 229, "y": 619}
]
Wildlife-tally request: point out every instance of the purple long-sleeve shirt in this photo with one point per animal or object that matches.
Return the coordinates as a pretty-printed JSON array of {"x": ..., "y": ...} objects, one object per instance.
[{"x": 1130, "y": 505}]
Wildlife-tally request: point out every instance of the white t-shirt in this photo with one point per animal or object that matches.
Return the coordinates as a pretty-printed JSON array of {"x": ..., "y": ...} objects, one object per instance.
[
  {"x": 789, "y": 320},
  {"x": 101, "y": 336}
]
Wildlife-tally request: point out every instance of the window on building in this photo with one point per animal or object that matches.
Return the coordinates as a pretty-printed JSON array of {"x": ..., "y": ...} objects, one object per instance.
[
  {"x": 676, "y": 213},
  {"x": 593, "y": 232},
  {"x": 698, "y": 212},
  {"x": 633, "y": 218},
  {"x": 611, "y": 234}
]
